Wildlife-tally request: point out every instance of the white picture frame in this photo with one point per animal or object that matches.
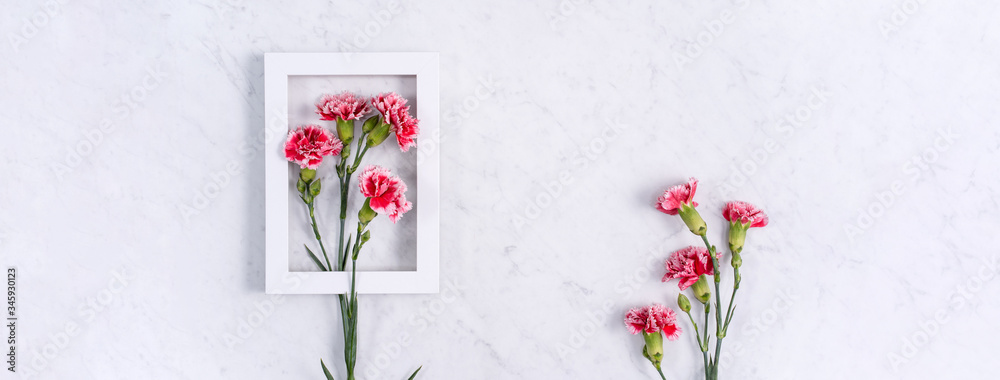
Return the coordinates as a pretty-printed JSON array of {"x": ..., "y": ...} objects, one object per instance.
[{"x": 279, "y": 279}]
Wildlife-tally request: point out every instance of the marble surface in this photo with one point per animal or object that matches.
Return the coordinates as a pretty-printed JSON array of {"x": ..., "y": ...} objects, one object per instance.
[{"x": 131, "y": 186}]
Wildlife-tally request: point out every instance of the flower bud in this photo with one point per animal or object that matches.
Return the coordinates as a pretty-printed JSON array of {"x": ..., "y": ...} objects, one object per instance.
[
  {"x": 701, "y": 290},
  {"x": 366, "y": 214},
  {"x": 693, "y": 220},
  {"x": 366, "y": 236},
  {"x": 654, "y": 348},
  {"x": 737, "y": 235},
  {"x": 378, "y": 135},
  {"x": 370, "y": 124},
  {"x": 683, "y": 302},
  {"x": 307, "y": 174},
  {"x": 314, "y": 187},
  {"x": 345, "y": 130},
  {"x": 301, "y": 185},
  {"x": 737, "y": 260}
]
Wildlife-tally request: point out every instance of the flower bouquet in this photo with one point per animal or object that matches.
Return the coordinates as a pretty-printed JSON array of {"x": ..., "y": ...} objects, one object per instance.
[
  {"x": 691, "y": 266},
  {"x": 384, "y": 193}
]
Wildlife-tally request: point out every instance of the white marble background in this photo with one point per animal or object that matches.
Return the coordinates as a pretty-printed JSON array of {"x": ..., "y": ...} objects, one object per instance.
[{"x": 131, "y": 186}]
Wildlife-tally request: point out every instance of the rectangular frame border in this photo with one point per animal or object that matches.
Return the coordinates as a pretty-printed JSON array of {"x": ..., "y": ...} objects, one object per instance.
[{"x": 426, "y": 67}]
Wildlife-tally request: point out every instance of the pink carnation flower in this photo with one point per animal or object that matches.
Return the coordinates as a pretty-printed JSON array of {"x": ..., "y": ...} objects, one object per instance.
[
  {"x": 653, "y": 319},
  {"x": 392, "y": 107},
  {"x": 386, "y": 192},
  {"x": 673, "y": 198},
  {"x": 406, "y": 132},
  {"x": 400, "y": 207},
  {"x": 687, "y": 264},
  {"x": 345, "y": 106},
  {"x": 744, "y": 213},
  {"x": 308, "y": 144}
]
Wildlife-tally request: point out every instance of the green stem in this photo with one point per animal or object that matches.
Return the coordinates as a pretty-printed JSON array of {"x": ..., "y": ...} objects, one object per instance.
[
  {"x": 312, "y": 219},
  {"x": 704, "y": 354},
  {"x": 661, "y": 373},
  {"x": 704, "y": 351},
  {"x": 697, "y": 334},
  {"x": 718, "y": 303},
  {"x": 343, "y": 220},
  {"x": 348, "y": 301},
  {"x": 357, "y": 160},
  {"x": 351, "y": 349},
  {"x": 729, "y": 311}
]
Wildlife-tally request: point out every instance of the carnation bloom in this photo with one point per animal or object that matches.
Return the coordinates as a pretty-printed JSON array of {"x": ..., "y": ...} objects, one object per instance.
[
  {"x": 672, "y": 199},
  {"x": 653, "y": 319},
  {"x": 307, "y": 145},
  {"x": 680, "y": 200},
  {"x": 406, "y": 132},
  {"x": 400, "y": 207},
  {"x": 744, "y": 213},
  {"x": 741, "y": 216},
  {"x": 392, "y": 107},
  {"x": 688, "y": 264},
  {"x": 345, "y": 106},
  {"x": 385, "y": 192}
]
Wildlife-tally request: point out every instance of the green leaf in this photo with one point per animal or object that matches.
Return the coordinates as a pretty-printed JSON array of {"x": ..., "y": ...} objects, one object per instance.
[
  {"x": 315, "y": 259},
  {"x": 343, "y": 261},
  {"x": 326, "y": 371},
  {"x": 414, "y": 375}
]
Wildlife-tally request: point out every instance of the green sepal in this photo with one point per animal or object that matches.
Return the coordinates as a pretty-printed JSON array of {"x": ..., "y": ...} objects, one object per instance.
[
  {"x": 701, "y": 290},
  {"x": 693, "y": 219},
  {"x": 370, "y": 124},
  {"x": 366, "y": 214},
  {"x": 345, "y": 130},
  {"x": 307, "y": 174},
  {"x": 378, "y": 135},
  {"x": 314, "y": 187}
]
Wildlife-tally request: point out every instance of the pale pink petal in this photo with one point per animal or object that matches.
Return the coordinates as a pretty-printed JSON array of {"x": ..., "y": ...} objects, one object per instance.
[{"x": 345, "y": 105}]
